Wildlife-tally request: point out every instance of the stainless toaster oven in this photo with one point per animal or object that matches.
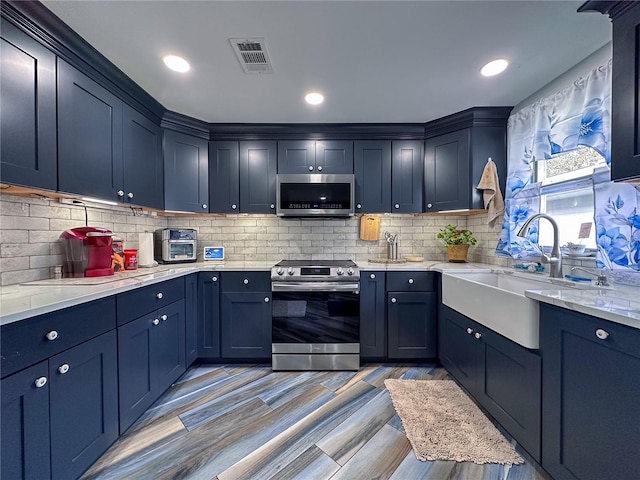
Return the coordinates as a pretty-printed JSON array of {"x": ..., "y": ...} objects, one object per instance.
[{"x": 175, "y": 245}]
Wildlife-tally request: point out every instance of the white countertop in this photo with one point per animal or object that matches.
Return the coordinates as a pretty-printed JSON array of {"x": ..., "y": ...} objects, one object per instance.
[{"x": 17, "y": 302}]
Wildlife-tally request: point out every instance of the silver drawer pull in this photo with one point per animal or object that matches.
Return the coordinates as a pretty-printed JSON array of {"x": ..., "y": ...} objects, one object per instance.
[
  {"x": 40, "y": 382},
  {"x": 267, "y": 299},
  {"x": 52, "y": 335},
  {"x": 602, "y": 334},
  {"x": 159, "y": 295},
  {"x": 411, "y": 280},
  {"x": 64, "y": 368},
  {"x": 469, "y": 331},
  {"x": 246, "y": 281},
  {"x": 234, "y": 206},
  {"x": 478, "y": 335},
  {"x": 397, "y": 205},
  {"x": 155, "y": 321},
  {"x": 320, "y": 168},
  {"x": 214, "y": 279},
  {"x": 394, "y": 300},
  {"x": 163, "y": 318},
  {"x": 372, "y": 276}
]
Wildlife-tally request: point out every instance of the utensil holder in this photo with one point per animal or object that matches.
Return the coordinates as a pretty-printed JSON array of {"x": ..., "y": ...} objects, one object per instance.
[{"x": 392, "y": 251}]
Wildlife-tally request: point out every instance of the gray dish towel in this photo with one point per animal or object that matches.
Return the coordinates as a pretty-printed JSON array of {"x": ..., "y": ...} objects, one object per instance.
[
  {"x": 289, "y": 308},
  {"x": 491, "y": 195}
]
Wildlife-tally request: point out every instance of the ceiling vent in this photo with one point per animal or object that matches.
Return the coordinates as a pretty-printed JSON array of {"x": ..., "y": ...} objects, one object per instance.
[{"x": 252, "y": 54}]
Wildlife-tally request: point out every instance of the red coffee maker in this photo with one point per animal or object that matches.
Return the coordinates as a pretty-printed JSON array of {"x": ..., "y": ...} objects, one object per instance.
[{"x": 87, "y": 252}]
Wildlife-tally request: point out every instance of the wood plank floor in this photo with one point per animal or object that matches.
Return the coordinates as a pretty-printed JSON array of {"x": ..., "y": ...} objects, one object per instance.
[{"x": 229, "y": 422}]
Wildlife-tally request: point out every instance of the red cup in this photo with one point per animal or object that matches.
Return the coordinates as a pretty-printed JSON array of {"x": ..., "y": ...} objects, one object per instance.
[{"x": 131, "y": 259}]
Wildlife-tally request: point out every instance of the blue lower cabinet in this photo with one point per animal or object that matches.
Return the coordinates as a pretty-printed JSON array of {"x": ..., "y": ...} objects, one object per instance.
[
  {"x": 246, "y": 324},
  {"x": 25, "y": 424},
  {"x": 502, "y": 376},
  {"x": 373, "y": 325},
  {"x": 591, "y": 397},
  {"x": 208, "y": 315},
  {"x": 411, "y": 323},
  {"x": 191, "y": 318},
  {"x": 151, "y": 356},
  {"x": 83, "y": 405}
]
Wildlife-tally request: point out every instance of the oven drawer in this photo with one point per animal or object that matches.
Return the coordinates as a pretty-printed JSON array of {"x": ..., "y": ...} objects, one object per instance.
[
  {"x": 245, "y": 281},
  {"x": 411, "y": 281}
]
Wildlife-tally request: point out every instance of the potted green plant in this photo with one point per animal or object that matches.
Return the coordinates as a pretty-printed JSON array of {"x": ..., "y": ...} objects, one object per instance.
[{"x": 457, "y": 241}]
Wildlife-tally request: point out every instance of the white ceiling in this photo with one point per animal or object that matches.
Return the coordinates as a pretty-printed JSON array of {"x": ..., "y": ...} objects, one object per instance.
[{"x": 375, "y": 61}]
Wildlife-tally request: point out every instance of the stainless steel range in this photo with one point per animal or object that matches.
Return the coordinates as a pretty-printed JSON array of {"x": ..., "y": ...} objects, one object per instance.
[{"x": 316, "y": 315}]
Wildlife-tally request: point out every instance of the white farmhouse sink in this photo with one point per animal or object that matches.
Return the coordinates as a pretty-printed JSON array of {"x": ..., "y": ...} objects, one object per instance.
[{"x": 497, "y": 301}]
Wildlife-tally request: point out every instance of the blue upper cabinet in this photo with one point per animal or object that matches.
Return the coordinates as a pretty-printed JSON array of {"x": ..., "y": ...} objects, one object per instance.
[
  {"x": 372, "y": 168},
  {"x": 142, "y": 154},
  {"x": 258, "y": 177},
  {"x": 407, "y": 165},
  {"x": 28, "y": 111},
  {"x": 309, "y": 156},
  {"x": 224, "y": 177},
  {"x": 186, "y": 173}
]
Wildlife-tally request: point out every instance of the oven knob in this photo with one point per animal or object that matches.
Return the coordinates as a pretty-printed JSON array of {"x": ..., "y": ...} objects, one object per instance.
[
  {"x": 340, "y": 271},
  {"x": 290, "y": 271},
  {"x": 350, "y": 271},
  {"x": 280, "y": 270}
]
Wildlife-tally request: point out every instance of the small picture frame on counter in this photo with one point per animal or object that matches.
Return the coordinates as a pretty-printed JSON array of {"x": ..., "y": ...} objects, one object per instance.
[{"x": 213, "y": 254}]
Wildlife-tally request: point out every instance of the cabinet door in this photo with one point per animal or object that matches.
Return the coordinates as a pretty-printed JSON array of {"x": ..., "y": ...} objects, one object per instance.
[
  {"x": 510, "y": 387},
  {"x": 246, "y": 325},
  {"x": 625, "y": 96},
  {"x": 591, "y": 387},
  {"x": 372, "y": 168},
  {"x": 191, "y": 318},
  {"x": 407, "y": 163},
  {"x": 446, "y": 175},
  {"x": 186, "y": 177},
  {"x": 169, "y": 346},
  {"x": 28, "y": 111},
  {"x": 89, "y": 136},
  {"x": 25, "y": 424},
  {"x": 208, "y": 315},
  {"x": 334, "y": 156},
  {"x": 411, "y": 318},
  {"x": 136, "y": 388},
  {"x": 458, "y": 350},
  {"x": 373, "y": 332},
  {"x": 297, "y": 156},
  {"x": 224, "y": 177},
  {"x": 258, "y": 177},
  {"x": 142, "y": 153},
  {"x": 83, "y": 405}
]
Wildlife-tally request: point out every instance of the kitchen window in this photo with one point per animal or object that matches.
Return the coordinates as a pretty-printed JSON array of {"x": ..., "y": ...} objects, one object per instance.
[{"x": 566, "y": 193}]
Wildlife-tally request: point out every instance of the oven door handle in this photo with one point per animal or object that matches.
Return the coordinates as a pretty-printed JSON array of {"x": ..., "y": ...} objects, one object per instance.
[{"x": 315, "y": 287}]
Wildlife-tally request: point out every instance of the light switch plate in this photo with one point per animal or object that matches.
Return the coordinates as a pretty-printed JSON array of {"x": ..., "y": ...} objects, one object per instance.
[{"x": 213, "y": 253}]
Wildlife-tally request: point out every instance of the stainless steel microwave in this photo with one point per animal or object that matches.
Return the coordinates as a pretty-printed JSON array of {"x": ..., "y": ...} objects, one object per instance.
[
  {"x": 314, "y": 194},
  {"x": 175, "y": 245}
]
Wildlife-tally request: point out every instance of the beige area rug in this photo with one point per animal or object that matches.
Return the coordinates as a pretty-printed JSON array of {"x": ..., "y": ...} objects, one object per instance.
[{"x": 442, "y": 423}]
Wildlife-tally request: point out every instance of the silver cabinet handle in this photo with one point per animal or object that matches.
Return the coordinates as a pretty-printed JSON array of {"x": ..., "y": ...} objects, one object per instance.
[
  {"x": 40, "y": 382},
  {"x": 64, "y": 368},
  {"x": 602, "y": 334},
  {"x": 204, "y": 205},
  {"x": 155, "y": 322},
  {"x": 214, "y": 279},
  {"x": 267, "y": 299},
  {"x": 320, "y": 168},
  {"x": 130, "y": 195},
  {"x": 372, "y": 276},
  {"x": 469, "y": 331},
  {"x": 159, "y": 295},
  {"x": 359, "y": 205},
  {"x": 272, "y": 206},
  {"x": 246, "y": 281},
  {"x": 394, "y": 300},
  {"x": 120, "y": 193},
  {"x": 163, "y": 318},
  {"x": 52, "y": 335},
  {"x": 310, "y": 168},
  {"x": 411, "y": 280},
  {"x": 397, "y": 205},
  {"x": 234, "y": 206},
  {"x": 478, "y": 335},
  {"x": 429, "y": 205}
]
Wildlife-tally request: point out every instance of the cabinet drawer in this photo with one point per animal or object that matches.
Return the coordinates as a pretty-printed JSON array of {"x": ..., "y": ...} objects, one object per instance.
[
  {"x": 25, "y": 342},
  {"x": 411, "y": 282},
  {"x": 246, "y": 281},
  {"x": 141, "y": 301}
]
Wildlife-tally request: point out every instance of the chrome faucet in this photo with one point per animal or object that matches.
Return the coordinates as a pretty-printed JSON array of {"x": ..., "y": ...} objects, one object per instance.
[
  {"x": 601, "y": 278},
  {"x": 555, "y": 260}
]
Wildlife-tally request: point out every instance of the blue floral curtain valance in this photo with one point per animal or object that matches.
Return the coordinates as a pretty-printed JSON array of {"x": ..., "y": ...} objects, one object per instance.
[{"x": 576, "y": 116}]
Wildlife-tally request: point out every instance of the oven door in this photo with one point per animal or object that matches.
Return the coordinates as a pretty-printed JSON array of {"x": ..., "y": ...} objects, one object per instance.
[{"x": 316, "y": 326}]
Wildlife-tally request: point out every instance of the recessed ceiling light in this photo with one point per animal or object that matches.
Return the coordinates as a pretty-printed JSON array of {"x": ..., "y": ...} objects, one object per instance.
[
  {"x": 495, "y": 67},
  {"x": 176, "y": 63},
  {"x": 314, "y": 98}
]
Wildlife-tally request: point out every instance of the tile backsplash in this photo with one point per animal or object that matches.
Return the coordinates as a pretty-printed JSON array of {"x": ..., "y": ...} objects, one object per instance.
[{"x": 30, "y": 227}]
